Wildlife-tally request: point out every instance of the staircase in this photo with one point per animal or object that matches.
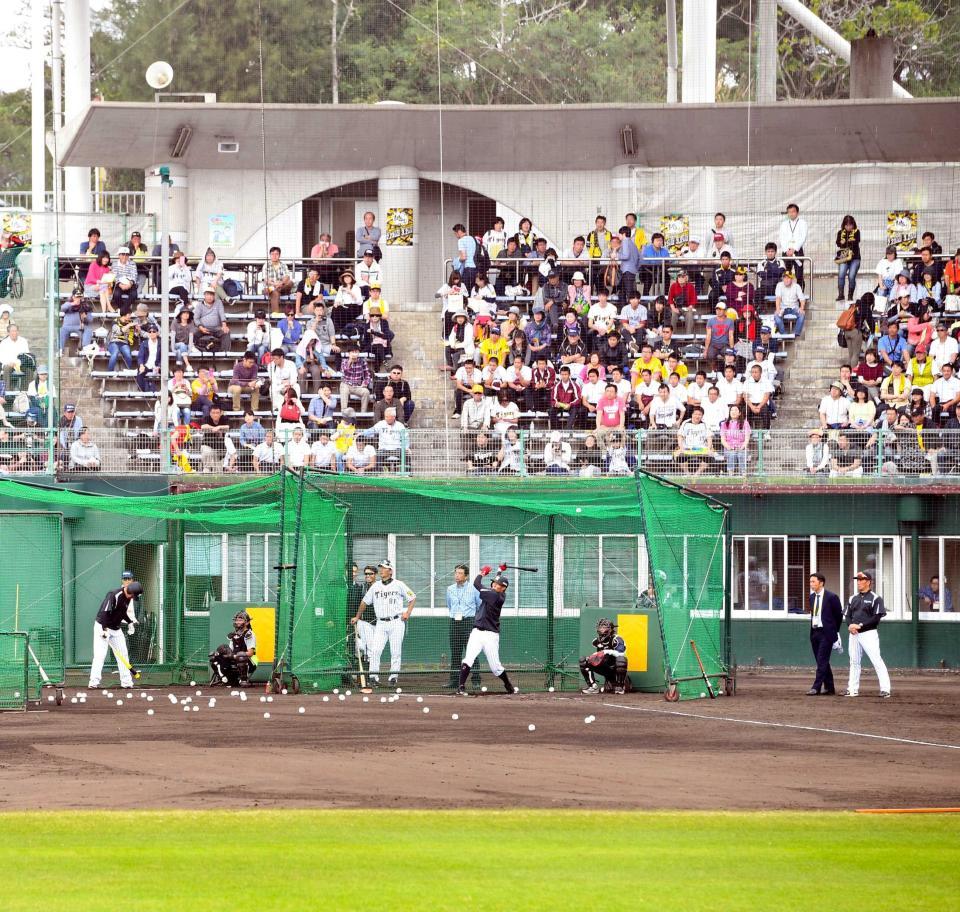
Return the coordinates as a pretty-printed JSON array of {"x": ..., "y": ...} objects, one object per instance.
[
  {"x": 419, "y": 348},
  {"x": 815, "y": 360}
]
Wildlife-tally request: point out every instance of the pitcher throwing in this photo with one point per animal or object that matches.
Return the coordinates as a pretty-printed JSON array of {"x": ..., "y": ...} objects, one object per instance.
[{"x": 117, "y": 608}]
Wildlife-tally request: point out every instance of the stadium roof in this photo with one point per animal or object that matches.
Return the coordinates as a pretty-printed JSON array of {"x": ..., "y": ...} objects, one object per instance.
[{"x": 511, "y": 137}]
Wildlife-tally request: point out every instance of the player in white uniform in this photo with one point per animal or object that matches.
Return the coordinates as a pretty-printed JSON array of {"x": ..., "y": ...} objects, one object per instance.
[{"x": 388, "y": 597}]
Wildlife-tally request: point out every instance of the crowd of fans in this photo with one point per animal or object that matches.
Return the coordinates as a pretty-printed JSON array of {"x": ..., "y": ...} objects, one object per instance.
[{"x": 894, "y": 407}]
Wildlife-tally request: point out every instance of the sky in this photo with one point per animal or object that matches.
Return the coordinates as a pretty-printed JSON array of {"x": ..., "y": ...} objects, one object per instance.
[{"x": 16, "y": 61}]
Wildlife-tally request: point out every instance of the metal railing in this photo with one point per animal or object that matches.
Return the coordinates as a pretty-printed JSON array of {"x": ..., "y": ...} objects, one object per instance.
[
  {"x": 770, "y": 457},
  {"x": 243, "y": 270},
  {"x": 131, "y": 202}
]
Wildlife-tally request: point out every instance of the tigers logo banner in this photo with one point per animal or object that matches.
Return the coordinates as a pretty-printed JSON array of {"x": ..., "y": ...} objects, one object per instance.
[
  {"x": 902, "y": 229},
  {"x": 400, "y": 227},
  {"x": 676, "y": 232}
]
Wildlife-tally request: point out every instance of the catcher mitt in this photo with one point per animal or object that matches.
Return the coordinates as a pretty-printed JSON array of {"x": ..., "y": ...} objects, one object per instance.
[{"x": 596, "y": 658}]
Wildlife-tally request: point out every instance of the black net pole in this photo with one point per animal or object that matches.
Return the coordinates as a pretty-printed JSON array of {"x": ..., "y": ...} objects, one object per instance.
[
  {"x": 296, "y": 562},
  {"x": 551, "y": 632}
]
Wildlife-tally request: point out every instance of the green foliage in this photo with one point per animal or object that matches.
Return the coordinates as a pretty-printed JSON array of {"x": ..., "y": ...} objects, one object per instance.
[{"x": 15, "y": 154}]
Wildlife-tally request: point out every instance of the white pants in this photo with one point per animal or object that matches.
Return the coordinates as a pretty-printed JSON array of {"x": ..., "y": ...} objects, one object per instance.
[
  {"x": 364, "y": 634},
  {"x": 101, "y": 645},
  {"x": 868, "y": 641},
  {"x": 487, "y": 642},
  {"x": 384, "y": 630}
]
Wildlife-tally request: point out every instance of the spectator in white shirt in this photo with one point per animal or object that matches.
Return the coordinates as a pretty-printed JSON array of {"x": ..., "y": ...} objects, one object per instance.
[
  {"x": 12, "y": 350},
  {"x": 719, "y": 238},
  {"x": 84, "y": 453},
  {"x": 267, "y": 456},
  {"x": 790, "y": 299},
  {"x": 944, "y": 349},
  {"x": 557, "y": 455},
  {"x": 730, "y": 388},
  {"x": 368, "y": 271},
  {"x": 757, "y": 391},
  {"x": 495, "y": 240},
  {"x": 793, "y": 235},
  {"x": 323, "y": 454},
  {"x": 817, "y": 454},
  {"x": 298, "y": 450},
  {"x": 282, "y": 374},
  {"x": 945, "y": 394},
  {"x": 767, "y": 366},
  {"x": 715, "y": 410},
  {"x": 393, "y": 445},
  {"x": 360, "y": 458},
  {"x": 475, "y": 413},
  {"x": 887, "y": 271},
  {"x": 698, "y": 389},
  {"x": 834, "y": 408}
]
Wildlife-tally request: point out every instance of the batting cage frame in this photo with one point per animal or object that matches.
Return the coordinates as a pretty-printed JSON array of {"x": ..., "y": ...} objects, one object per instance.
[{"x": 281, "y": 547}]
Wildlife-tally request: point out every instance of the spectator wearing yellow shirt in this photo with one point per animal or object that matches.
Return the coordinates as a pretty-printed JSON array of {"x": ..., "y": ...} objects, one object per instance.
[
  {"x": 494, "y": 346},
  {"x": 204, "y": 390},
  {"x": 646, "y": 361},
  {"x": 376, "y": 301},
  {"x": 920, "y": 370}
]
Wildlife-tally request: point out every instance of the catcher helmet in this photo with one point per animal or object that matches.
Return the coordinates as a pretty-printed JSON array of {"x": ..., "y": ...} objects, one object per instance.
[
  {"x": 244, "y": 619},
  {"x": 134, "y": 589},
  {"x": 605, "y": 628}
]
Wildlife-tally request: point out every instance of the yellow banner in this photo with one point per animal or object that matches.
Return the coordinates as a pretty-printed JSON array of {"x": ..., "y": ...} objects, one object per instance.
[
  {"x": 902, "y": 229},
  {"x": 400, "y": 227},
  {"x": 676, "y": 232}
]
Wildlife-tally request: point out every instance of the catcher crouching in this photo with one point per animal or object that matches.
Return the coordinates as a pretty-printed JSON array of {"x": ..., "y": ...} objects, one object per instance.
[
  {"x": 609, "y": 660},
  {"x": 234, "y": 661}
]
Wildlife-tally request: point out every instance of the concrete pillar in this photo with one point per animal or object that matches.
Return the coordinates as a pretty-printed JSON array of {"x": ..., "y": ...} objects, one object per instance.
[
  {"x": 179, "y": 212},
  {"x": 871, "y": 67},
  {"x": 77, "y": 95},
  {"x": 398, "y": 188},
  {"x": 699, "y": 51},
  {"x": 38, "y": 149},
  {"x": 767, "y": 56}
]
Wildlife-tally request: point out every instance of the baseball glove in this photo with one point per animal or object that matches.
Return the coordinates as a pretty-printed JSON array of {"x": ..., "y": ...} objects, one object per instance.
[{"x": 596, "y": 658}]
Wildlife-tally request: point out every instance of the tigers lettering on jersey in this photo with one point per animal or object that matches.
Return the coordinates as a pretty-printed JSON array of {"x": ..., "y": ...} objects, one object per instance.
[{"x": 390, "y": 598}]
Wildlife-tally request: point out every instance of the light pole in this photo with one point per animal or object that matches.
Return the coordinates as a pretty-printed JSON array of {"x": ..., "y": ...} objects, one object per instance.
[{"x": 165, "y": 184}]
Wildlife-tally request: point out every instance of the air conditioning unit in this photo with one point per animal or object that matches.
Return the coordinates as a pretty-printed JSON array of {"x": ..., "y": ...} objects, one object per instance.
[{"x": 228, "y": 146}]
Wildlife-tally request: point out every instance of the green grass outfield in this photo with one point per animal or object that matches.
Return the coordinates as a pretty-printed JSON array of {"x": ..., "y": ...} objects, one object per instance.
[{"x": 474, "y": 860}]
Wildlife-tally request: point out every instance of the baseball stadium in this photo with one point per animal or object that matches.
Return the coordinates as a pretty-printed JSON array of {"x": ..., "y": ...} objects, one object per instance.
[{"x": 469, "y": 454}]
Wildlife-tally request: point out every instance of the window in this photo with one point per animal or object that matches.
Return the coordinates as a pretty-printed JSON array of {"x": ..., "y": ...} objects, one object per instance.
[
  {"x": 581, "y": 571},
  {"x": 448, "y": 551},
  {"x": 413, "y": 564},
  {"x": 203, "y": 571},
  {"x": 619, "y": 571},
  {"x": 939, "y": 557}
]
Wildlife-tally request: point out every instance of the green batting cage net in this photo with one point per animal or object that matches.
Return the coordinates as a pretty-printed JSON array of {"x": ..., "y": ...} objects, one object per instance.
[
  {"x": 291, "y": 550},
  {"x": 31, "y": 591},
  {"x": 13, "y": 670}
]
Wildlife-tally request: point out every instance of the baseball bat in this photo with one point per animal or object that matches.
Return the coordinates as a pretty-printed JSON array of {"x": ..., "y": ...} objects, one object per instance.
[
  {"x": 124, "y": 662},
  {"x": 363, "y": 675},
  {"x": 703, "y": 672},
  {"x": 516, "y": 567}
]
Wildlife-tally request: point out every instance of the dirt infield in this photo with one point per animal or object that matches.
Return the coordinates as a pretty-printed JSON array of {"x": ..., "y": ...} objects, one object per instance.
[{"x": 641, "y": 752}]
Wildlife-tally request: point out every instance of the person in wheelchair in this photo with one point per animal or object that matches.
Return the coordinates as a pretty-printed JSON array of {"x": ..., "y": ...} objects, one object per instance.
[
  {"x": 235, "y": 661},
  {"x": 609, "y": 660}
]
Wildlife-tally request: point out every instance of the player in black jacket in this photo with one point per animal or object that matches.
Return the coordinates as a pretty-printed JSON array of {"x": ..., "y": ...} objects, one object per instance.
[
  {"x": 609, "y": 660},
  {"x": 118, "y": 607},
  {"x": 485, "y": 636},
  {"x": 864, "y": 611},
  {"x": 234, "y": 661}
]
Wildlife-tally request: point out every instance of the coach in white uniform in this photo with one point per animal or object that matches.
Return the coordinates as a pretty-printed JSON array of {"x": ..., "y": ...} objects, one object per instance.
[{"x": 388, "y": 597}]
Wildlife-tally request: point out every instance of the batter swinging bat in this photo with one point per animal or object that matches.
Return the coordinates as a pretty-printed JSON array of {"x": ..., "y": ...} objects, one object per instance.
[
  {"x": 703, "y": 672},
  {"x": 125, "y": 663}
]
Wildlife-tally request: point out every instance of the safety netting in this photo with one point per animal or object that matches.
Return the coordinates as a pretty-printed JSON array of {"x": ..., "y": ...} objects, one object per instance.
[
  {"x": 13, "y": 670},
  {"x": 293, "y": 548}
]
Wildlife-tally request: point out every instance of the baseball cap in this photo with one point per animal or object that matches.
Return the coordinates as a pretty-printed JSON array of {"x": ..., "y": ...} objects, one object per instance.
[
  {"x": 476, "y": 388},
  {"x": 368, "y": 251},
  {"x": 385, "y": 564},
  {"x": 123, "y": 250},
  {"x": 69, "y": 407},
  {"x": 720, "y": 304},
  {"x": 502, "y": 580},
  {"x": 759, "y": 349},
  {"x": 209, "y": 290},
  {"x": 694, "y": 240},
  {"x": 814, "y": 433},
  {"x": 127, "y": 574},
  {"x": 765, "y": 329},
  {"x": 552, "y": 273},
  {"x": 837, "y": 385},
  {"x": 729, "y": 351},
  {"x": 573, "y": 329},
  {"x": 495, "y": 329},
  {"x": 864, "y": 574},
  {"x": 515, "y": 310}
]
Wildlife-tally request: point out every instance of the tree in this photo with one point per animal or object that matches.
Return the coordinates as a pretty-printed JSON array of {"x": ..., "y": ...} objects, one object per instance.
[{"x": 15, "y": 140}]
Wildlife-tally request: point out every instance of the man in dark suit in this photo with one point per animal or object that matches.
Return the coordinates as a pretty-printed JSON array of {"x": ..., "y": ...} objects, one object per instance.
[{"x": 826, "y": 616}]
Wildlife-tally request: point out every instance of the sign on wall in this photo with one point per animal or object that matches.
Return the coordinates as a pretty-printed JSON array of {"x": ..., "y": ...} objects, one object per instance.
[
  {"x": 222, "y": 230},
  {"x": 19, "y": 224},
  {"x": 676, "y": 232},
  {"x": 400, "y": 227},
  {"x": 902, "y": 229}
]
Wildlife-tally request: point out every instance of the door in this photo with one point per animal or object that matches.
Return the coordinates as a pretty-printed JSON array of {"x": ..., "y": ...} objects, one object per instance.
[
  {"x": 98, "y": 568},
  {"x": 343, "y": 225}
]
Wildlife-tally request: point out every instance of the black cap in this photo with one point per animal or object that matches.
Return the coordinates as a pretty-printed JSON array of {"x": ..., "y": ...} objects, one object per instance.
[
  {"x": 865, "y": 573},
  {"x": 502, "y": 580}
]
